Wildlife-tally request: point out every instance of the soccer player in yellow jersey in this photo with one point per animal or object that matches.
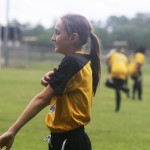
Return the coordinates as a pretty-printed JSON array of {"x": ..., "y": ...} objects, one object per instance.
[
  {"x": 135, "y": 71},
  {"x": 118, "y": 73},
  {"x": 69, "y": 90}
]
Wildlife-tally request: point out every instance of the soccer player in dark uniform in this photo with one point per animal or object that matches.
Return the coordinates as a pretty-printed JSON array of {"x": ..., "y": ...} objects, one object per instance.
[{"x": 69, "y": 90}]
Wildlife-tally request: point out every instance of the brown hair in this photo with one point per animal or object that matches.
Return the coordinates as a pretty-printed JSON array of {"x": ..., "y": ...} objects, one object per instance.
[{"x": 75, "y": 23}]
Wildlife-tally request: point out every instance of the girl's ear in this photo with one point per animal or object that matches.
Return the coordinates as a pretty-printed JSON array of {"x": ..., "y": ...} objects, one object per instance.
[{"x": 74, "y": 37}]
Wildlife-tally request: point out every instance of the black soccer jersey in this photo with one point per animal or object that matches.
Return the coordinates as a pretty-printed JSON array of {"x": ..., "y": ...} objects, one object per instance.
[{"x": 72, "y": 82}]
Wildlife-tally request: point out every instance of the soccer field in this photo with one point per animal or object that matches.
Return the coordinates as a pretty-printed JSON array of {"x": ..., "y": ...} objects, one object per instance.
[{"x": 127, "y": 130}]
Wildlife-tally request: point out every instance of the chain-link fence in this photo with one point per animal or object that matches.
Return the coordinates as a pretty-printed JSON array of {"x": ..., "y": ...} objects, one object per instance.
[{"x": 23, "y": 55}]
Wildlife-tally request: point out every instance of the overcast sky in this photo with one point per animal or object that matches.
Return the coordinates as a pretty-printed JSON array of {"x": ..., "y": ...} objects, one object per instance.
[{"x": 45, "y": 11}]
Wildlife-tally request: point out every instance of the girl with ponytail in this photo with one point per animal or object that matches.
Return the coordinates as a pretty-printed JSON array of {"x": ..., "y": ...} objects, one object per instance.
[{"x": 68, "y": 89}]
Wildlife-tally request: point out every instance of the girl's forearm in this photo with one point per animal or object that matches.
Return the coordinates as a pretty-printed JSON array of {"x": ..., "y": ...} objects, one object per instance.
[
  {"x": 30, "y": 112},
  {"x": 38, "y": 103}
]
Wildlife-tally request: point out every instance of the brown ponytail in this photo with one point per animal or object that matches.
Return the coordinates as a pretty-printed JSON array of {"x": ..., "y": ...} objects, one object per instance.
[
  {"x": 95, "y": 61},
  {"x": 75, "y": 23}
]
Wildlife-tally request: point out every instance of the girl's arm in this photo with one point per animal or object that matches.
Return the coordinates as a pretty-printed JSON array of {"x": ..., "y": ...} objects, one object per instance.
[{"x": 39, "y": 102}]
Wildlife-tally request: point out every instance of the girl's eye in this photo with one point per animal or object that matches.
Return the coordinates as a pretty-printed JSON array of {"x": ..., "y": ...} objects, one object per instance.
[{"x": 57, "y": 32}]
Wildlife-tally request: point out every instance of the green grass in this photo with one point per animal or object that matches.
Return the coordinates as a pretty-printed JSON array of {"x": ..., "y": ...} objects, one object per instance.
[{"x": 127, "y": 130}]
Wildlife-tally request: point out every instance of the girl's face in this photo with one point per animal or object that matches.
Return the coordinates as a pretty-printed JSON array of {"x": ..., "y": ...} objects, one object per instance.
[{"x": 61, "y": 39}]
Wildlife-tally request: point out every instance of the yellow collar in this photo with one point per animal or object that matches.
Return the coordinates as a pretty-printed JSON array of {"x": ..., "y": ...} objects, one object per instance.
[{"x": 79, "y": 52}]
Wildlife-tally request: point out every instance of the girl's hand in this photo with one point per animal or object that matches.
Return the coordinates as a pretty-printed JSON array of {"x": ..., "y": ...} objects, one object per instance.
[
  {"x": 6, "y": 140},
  {"x": 47, "y": 76}
]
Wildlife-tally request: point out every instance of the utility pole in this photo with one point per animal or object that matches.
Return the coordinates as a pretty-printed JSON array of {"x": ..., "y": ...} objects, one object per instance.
[
  {"x": 0, "y": 46},
  {"x": 6, "y": 35}
]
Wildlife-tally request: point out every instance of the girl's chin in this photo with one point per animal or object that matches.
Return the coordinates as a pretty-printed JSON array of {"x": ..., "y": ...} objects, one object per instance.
[{"x": 56, "y": 50}]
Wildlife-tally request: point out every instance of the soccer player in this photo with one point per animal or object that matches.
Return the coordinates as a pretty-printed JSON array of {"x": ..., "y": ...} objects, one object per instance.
[
  {"x": 118, "y": 73},
  {"x": 135, "y": 71},
  {"x": 70, "y": 89}
]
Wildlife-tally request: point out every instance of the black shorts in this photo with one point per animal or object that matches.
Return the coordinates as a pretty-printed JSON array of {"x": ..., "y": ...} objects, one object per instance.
[
  {"x": 115, "y": 83},
  {"x": 118, "y": 83},
  {"x": 75, "y": 139}
]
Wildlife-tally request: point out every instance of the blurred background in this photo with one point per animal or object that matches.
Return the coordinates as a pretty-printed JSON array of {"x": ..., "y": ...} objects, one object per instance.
[
  {"x": 26, "y": 27},
  {"x": 26, "y": 53}
]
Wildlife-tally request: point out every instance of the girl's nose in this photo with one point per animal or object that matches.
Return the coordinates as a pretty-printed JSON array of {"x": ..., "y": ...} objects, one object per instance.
[{"x": 53, "y": 38}]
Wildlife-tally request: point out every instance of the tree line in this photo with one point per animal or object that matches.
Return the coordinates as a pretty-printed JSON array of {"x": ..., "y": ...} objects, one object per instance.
[{"x": 135, "y": 31}]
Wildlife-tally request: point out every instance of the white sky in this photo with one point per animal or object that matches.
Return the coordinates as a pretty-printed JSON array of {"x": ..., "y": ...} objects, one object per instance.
[{"x": 45, "y": 11}]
